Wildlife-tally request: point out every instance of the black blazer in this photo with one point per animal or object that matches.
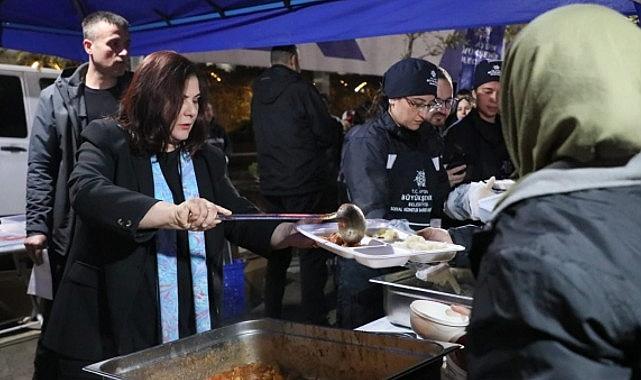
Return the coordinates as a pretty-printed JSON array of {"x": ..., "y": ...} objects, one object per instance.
[{"x": 107, "y": 302}]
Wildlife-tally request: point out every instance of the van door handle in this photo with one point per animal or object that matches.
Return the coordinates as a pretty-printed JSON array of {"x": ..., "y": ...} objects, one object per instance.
[{"x": 13, "y": 149}]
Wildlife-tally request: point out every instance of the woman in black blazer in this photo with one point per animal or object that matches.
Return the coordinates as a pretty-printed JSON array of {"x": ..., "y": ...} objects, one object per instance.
[{"x": 113, "y": 298}]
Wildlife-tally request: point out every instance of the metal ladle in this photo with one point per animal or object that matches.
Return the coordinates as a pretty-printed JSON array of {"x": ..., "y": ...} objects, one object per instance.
[
  {"x": 349, "y": 217},
  {"x": 351, "y": 223}
]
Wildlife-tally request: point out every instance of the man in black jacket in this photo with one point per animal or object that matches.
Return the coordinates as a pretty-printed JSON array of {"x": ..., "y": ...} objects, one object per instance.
[
  {"x": 437, "y": 118},
  {"x": 293, "y": 130},
  {"x": 476, "y": 140},
  {"x": 77, "y": 97}
]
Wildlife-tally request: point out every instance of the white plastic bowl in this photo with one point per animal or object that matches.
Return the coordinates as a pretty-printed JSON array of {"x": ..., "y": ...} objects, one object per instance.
[{"x": 436, "y": 321}]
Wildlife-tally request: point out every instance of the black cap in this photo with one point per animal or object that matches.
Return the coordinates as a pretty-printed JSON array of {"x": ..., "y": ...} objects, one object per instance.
[
  {"x": 410, "y": 77},
  {"x": 487, "y": 71}
]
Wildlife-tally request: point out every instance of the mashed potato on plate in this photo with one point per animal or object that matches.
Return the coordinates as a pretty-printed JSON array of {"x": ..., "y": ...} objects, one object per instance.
[{"x": 419, "y": 244}]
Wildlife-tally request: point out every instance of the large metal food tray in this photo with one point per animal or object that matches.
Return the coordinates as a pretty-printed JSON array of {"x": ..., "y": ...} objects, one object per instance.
[
  {"x": 402, "y": 288},
  {"x": 300, "y": 351}
]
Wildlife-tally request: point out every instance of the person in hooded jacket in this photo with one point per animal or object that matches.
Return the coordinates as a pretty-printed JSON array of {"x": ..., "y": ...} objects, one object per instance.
[
  {"x": 558, "y": 286},
  {"x": 390, "y": 172},
  {"x": 293, "y": 131},
  {"x": 78, "y": 96}
]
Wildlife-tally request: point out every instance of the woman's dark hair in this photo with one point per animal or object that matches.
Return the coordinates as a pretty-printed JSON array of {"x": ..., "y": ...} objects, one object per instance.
[
  {"x": 463, "y": 92},
  {"x": 380, "y": 103},
  {"x": 153, "y": 101},
  {"x": 468, "y": 98}
]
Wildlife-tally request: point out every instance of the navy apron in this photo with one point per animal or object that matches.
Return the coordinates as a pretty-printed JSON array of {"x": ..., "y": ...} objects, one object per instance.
[{"x": 417, "y": 187}]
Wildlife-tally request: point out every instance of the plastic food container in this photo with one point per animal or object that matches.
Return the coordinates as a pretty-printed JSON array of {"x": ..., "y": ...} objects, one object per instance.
[
  {"x": 437, "y": 321},
  {"x": 379, "y": 256},
  {"x": 376, "y": 253}
]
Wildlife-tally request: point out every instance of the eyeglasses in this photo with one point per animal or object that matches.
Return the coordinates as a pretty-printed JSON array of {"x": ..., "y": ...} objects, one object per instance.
[{"x": 434, "y": 104}]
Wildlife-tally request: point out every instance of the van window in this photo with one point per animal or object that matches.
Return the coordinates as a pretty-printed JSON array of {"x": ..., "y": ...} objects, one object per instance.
[
  {"x": 45, "y": 82},
  {"x": 13, "y": 122}
]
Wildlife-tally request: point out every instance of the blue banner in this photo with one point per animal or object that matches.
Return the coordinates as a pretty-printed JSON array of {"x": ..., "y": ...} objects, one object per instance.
[
  {"x": 347, "y": 49},
  {"x": 451, "y": 62},
  {"x": 481, "y": 43}
]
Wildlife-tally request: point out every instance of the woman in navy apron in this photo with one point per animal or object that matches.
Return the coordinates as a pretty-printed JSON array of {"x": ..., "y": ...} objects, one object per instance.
[{"x": 391, "y": 171}]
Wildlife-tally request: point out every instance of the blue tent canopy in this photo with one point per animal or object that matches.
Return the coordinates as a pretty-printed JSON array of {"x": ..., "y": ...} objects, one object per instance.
[{"x": 53, "y": 27}]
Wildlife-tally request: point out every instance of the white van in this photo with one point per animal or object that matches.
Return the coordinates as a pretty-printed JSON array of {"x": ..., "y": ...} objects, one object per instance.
[{"x": 20, "y": 88}]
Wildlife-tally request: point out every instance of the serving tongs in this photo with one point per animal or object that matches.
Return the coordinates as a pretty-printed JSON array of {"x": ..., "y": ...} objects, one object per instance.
[{"x": 349, "y": 217}]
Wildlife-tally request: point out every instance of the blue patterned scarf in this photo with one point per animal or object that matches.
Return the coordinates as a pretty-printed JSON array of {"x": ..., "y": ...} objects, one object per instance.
[{"x": 166, "y": 253}]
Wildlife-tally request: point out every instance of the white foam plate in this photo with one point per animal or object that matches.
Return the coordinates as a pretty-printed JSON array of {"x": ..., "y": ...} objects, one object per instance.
[{"x": 374, "y": 253}]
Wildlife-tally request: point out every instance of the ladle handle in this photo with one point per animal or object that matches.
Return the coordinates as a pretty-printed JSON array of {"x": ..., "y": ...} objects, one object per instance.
[{"x": 274, "y": 216}]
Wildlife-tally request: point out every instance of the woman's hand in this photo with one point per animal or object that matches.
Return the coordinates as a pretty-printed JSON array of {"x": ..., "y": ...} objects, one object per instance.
[
  {"x": 195, "y": 215},
  {"x": 198, "y": 214},
  {"x": 285, "y": 235}
]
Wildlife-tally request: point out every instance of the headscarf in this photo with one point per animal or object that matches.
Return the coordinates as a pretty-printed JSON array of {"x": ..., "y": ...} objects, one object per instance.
[{"x": 571, "y": 90}]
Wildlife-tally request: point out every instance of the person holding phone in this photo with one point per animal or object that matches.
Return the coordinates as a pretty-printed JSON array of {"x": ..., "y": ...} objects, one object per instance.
[
  {"x": 476, "y": 140},
  {"x": 437, "y": 119}
]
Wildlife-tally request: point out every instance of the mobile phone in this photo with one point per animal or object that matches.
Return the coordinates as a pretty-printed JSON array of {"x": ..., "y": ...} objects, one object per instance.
[{"x": 455, "y": 160}]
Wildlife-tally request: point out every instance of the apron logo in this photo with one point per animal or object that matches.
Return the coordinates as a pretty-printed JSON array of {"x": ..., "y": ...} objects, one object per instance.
[{"x": 420, "y": 178}]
